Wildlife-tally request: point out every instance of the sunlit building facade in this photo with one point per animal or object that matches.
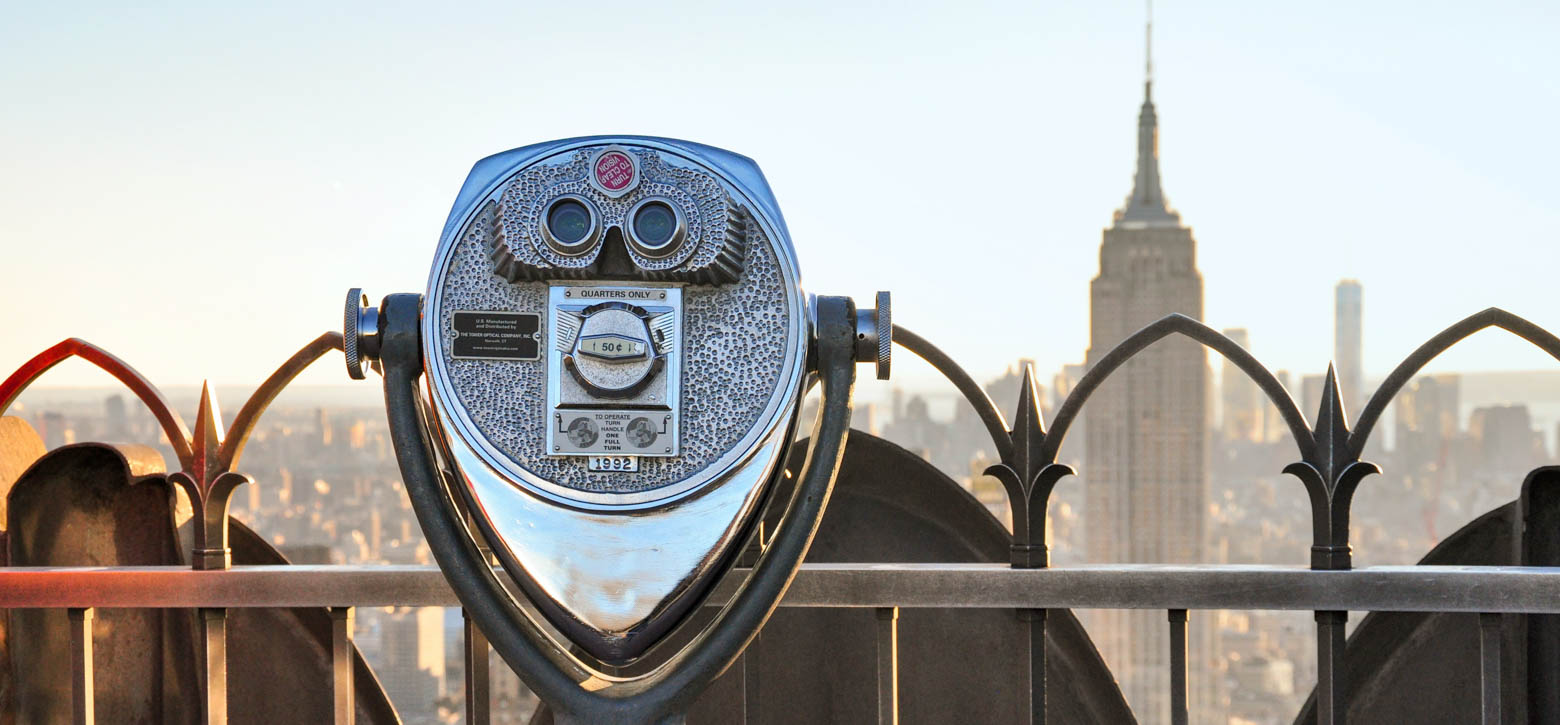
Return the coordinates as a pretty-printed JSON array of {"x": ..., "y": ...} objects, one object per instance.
[{"x": 1146, "y": 459}]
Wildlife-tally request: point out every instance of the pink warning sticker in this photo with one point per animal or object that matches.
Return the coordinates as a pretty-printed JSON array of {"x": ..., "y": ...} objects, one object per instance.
[{"x": 614, "y": 171}]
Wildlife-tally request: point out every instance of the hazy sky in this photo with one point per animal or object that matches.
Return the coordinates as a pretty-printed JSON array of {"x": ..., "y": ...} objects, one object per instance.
[{"x": 195, "y": 186}]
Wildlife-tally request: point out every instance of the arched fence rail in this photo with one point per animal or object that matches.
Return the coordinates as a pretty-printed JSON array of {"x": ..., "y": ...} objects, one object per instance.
[{"x": 1329, "y": 467}]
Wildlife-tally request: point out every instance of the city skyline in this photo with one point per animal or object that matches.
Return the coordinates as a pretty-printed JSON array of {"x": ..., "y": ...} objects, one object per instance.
[
  {"x": 1451, "y": 472},
  {"x": 202, "y": 190},
  {"x": 192, "y": 190}
]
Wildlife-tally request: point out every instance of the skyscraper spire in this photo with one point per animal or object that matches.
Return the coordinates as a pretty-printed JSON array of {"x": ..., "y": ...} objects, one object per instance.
[
  {"x": 1148, "y": 53},
  {"x": 1147, "y": 203}
]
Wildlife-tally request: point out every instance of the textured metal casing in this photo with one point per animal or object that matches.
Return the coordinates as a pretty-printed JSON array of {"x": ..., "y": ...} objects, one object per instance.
[{"x": 615, "y": 559}]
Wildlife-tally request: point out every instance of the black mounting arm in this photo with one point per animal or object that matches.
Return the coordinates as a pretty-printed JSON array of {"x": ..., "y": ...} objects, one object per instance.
[{"x": 575, "y": 691}]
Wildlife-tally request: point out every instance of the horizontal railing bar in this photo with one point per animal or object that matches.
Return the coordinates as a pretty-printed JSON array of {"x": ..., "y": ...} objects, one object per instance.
[
  {"x": 1156, "y": 586},
  {"x": 1124, "y": 586},
  {"x": 239, "y": 586}
]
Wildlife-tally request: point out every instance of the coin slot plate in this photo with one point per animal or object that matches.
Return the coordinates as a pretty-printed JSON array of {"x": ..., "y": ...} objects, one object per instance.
[{"x": 641, "y": 422}]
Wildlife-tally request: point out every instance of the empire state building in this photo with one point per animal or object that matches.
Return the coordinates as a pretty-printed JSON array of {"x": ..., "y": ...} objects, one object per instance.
[{"x": 1146, "y": 460}]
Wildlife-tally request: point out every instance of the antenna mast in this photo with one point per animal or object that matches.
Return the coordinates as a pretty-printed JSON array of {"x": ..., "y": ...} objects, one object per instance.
[{"x": 1148, "y": 53}]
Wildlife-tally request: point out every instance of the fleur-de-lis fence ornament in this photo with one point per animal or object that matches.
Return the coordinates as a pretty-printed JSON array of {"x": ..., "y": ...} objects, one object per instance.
[
  {"x": 1330, "y": 473},
  {"x": 206, "y": 456},
  {"x": 1028, "y": 473},
  {"x": 1330, "y": 466}
]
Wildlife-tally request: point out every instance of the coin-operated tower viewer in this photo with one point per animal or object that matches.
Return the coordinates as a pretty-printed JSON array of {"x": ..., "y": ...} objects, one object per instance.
[{"x": 598, "y": 392}]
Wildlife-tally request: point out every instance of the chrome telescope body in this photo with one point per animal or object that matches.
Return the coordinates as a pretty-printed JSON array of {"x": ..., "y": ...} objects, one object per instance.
[
  {"x": 611, "y": 486},
  {"x": 614, "y": 346}
]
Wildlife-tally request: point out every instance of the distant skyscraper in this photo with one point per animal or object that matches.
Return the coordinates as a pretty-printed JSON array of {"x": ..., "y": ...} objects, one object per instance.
[
  {"x": 116, "y": 424},
  {"x": 1509, "y": 445},
  {"x": 412, "y": 660},
  {"x": 1311, "y": 396},
  {"x": 1427, "y": 417},
  {"x": 1062, "y": 384},
  {"x": 55, "y": 432},
  {"x": 1347, "y": 339},
  {"x": 1241, "y": 400},
  {"x": 1272, "y": 421},
  {"x": 322, "y": 426},
  {"x": 1145, "y": 460}
]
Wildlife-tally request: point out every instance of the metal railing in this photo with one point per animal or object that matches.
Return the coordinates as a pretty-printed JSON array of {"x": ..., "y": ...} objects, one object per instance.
[
  {"x": 1489, "y": 591},
  {"x": 1329, "y": 466}
]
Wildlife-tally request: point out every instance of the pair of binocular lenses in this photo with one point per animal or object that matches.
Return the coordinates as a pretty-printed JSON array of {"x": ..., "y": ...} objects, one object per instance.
[{"x": 654, "y": 227}]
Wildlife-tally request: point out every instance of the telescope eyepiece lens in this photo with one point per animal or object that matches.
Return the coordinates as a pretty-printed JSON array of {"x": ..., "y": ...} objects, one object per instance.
[
  {"x": 655, "y": 224},
  {"x": 569, "y": 225},
  {"x": 569, "y": 221},
  {"x": 656, "y": 228}
]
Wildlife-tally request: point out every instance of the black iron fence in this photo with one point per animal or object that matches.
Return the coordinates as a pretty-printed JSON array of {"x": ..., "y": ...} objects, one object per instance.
[
  {"x": 1328, "y": 464},
  {"x": 1491, "y": 592}
]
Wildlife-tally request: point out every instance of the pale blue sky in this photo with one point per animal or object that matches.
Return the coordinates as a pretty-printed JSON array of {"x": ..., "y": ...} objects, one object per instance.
[{"x": 194, "y": 186}]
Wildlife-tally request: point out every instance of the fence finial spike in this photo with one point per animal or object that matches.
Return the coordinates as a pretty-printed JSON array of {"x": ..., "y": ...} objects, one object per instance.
[
  {"x": 1332, "y": 430},
  {"x": 206, "y": 441},
  {"x": 1028, "y": 428}
]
